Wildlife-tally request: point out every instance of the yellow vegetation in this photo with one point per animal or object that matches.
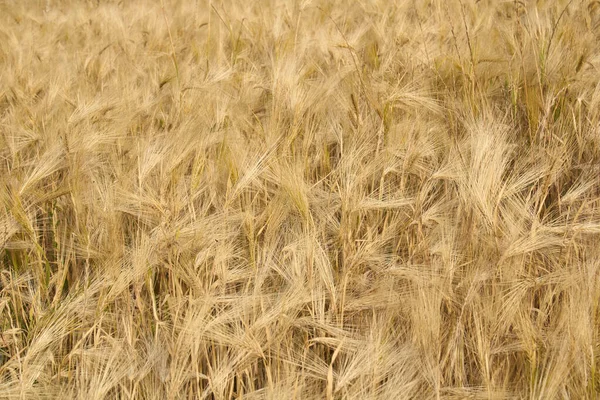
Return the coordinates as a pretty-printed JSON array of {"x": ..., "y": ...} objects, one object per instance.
[{"x": 272, "y": 199}]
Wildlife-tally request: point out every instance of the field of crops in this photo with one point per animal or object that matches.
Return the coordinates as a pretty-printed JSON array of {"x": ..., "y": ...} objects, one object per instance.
[{"x": 284, "y": 199}]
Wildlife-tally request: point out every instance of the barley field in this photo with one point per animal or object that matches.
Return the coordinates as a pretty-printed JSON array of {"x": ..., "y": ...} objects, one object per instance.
[{"x": 273, "y": 199}]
